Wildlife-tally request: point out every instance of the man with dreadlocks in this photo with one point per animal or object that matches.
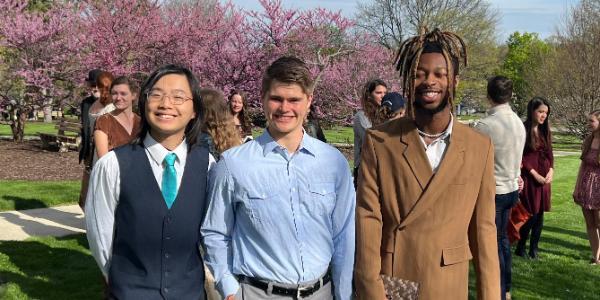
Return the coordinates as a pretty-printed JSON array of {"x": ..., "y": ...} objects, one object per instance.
[{"x": 425, "y": 202}]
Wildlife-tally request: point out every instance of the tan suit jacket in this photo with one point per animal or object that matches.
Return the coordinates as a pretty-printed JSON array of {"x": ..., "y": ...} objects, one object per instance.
[{"x": 425, "y": 228}]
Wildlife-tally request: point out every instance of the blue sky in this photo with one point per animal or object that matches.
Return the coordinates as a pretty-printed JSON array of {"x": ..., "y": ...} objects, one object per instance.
[{"x": 541, "y": 16}]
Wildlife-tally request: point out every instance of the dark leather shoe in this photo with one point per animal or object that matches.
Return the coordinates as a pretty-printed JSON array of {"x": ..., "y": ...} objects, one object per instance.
[
  {"x": 520, "y": 252},
  {"x": 533, "y": 255}
]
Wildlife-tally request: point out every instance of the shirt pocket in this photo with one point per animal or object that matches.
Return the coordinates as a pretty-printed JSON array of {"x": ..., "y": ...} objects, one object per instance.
[
  {"x": 322, "y": 197},
  {"x": 260, "y": 205}
]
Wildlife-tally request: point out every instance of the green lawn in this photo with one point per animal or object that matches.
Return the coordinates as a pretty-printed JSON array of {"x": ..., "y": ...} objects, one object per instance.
[
  {"x": 20, "y": 194},
  {"x": 562, "y": 271},
  {"x": 48, "y": 268},
  {"x": 31, "y": 128}
]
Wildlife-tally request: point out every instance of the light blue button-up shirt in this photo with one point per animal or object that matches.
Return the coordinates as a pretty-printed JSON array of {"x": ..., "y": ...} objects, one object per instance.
[{"x": 281, "y": 217}]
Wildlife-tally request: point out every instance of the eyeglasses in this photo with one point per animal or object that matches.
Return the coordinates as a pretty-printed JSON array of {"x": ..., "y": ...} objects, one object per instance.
[{"x": 177, "y": 98}]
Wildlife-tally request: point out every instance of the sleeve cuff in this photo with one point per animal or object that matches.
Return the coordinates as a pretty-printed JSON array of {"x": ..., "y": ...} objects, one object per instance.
[{"x": 228, "y": 286}]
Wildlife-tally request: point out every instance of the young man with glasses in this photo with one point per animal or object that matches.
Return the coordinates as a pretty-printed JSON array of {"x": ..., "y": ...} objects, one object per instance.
[{"x": 280, "y": 224}]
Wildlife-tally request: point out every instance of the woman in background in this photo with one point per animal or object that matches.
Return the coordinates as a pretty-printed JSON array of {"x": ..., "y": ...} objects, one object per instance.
[
  {"x": 219, "y": 132},
  {"x": 370, "y": 115},
  {"x": 537, "y": 173},
  {"x": 237, "y": 106},
  {"x": 587, "y": 189},
  {"x": 121, "y": 125},
  {"x": 312, "y": 126},
  {"x": 100, "y": 107}
]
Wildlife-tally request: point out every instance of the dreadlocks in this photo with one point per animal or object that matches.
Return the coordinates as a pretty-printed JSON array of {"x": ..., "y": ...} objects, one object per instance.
[{"x": 450, "y": 45}]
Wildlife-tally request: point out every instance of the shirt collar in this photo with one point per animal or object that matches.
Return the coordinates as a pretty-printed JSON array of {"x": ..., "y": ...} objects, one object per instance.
[
  {"x": 498, "y": 108},
  {"x": 158, "y": 152},
  {"x": 266, "y": 141}
]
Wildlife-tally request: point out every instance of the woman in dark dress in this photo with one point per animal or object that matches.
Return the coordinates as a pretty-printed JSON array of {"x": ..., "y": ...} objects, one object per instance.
[
  {"x": 587, "y": 189},
  {"x": 537, "y": 173}
]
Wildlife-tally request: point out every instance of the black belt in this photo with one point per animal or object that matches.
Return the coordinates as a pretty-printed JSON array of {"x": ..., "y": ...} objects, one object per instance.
[{"x": 297, "y": 293}]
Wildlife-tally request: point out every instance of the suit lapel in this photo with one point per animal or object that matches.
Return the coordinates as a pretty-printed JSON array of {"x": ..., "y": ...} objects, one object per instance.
[
  {"x": 415, "y": 156},
  {"x": 448, "y": 169}
]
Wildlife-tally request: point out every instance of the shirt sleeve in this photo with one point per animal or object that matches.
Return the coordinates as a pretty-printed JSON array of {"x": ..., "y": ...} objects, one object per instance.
[
  {"x": 217, "y": 229},
  {"x": 102, "y": 124},
  {"x": 359, "y": 136},
  {"x": 342, "y": 264},
  {"x": 101, "y": 202}
]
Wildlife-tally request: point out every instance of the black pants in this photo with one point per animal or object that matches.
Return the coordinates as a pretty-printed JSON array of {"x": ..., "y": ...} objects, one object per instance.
[
  {"x": 504, "y": 202},
  {"x": 534, "y": 224}
]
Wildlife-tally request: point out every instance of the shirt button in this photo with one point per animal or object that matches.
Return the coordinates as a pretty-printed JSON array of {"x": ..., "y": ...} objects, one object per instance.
[
  {"x": 166, "y": 274},
  {"x": 167, "y": 238},
  {"x": 166, "y": 290},
  {"x": 166, "y": 255}
]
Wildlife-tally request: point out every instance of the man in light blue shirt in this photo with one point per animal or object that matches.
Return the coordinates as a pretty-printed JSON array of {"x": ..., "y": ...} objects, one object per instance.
[{"x": 280, "y": 224}]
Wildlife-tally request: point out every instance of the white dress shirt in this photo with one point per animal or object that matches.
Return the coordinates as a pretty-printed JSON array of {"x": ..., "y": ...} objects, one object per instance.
[
  {"x": 436, "y": 150},
  {"x": 105, "y": 188}
]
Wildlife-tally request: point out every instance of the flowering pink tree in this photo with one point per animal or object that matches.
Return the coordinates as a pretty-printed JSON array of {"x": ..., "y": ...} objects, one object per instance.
[
  {"x": 225, "y": 46},
  {"x": 40, "y": 52}
]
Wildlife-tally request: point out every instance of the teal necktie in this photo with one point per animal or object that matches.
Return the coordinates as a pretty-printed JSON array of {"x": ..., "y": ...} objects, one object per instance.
[{"x": 169, "y": 180}]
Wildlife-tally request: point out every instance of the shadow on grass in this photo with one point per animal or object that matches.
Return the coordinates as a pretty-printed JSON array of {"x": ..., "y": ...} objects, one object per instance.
[
  {"x": 577, "y": 234},
  {"x": 59, "y": 271},
  {"x": 21, "y": 203}
]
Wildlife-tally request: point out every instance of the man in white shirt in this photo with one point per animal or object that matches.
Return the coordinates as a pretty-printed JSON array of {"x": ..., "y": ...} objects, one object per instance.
[{"x": 507, "y": 132}]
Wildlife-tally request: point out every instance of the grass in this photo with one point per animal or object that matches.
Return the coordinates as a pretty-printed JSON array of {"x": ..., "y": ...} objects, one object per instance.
[
  {"x": 31, "y": 128},
  {"x": 566, "y": 142},
  {"x": 562, "y": 271},
  {"x": 20, "y": 194},
  {"x": 48, "y": 268}
]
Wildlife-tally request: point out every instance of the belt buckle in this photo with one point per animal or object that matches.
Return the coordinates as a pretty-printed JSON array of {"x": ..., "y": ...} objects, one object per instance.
[{"x": 300, "y": 290}]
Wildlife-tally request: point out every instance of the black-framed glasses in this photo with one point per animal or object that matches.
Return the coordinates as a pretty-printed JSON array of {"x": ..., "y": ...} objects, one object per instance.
[{"x": 176, "y": 98}]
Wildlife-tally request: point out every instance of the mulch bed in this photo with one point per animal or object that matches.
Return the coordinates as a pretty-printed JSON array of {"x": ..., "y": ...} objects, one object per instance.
[{"x": 27, "y": 161}]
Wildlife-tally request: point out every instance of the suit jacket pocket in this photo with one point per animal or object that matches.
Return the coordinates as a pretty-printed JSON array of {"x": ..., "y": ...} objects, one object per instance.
[{"x": 454, "y": 255}]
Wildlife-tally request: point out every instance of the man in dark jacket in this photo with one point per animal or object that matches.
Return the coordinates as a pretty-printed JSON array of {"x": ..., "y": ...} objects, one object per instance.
[{"x": 85, "y": 150}]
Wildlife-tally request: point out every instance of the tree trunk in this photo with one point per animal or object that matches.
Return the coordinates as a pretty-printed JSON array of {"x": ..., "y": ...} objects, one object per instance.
[
  {"x": 47, "y": 109},
  {"x": 18, "y": 125}
]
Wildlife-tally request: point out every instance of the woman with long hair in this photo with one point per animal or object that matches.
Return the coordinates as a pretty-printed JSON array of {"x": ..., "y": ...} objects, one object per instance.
[
  {"x": 219, "y": 130},
  {"x": 587, "y": 189},
  {"x": 121, "y": 125},
  {"x": 537, "y": 173},
  {"x": 237, "y": 107},
  {"x": 100, "y": 107},
  {"x": 147, "y": 199},
  {"x": 371, "y": 114}
]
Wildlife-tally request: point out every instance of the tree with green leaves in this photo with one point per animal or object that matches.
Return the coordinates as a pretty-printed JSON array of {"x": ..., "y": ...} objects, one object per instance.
[{"x": 522, "y": 64}]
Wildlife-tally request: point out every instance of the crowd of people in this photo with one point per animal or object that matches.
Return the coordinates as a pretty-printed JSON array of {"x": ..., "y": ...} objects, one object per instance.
[{"x": 181, "y": 199}]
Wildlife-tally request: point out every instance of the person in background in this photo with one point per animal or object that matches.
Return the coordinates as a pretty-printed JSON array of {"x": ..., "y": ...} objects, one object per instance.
[
  {"x": 507, "y": 132},
  {"x": 537, "y": 173},
  {"x": 147, "y": 199},
  {"x": 86, "y": 135},
  {"x": 280, "y": 224},
  {"x": 371, "y": 114},
  {"x": 241, "y": 119},
  {"x": 121, "y": 125},
  {"x": 219, "y": 132},
  {"x": 312, "y": 126},
  {"x": 394, "y": 105},
  {"x": 587, "y": 188},
  {"x": 102, "y": 105}
]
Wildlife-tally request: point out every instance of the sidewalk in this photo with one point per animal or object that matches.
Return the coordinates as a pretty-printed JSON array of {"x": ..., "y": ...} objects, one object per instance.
[{"x": 55, "y": 221}]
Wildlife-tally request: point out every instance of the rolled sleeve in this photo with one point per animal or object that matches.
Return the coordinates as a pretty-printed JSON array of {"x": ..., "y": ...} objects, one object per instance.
[{"x": 217, "y": 229}]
